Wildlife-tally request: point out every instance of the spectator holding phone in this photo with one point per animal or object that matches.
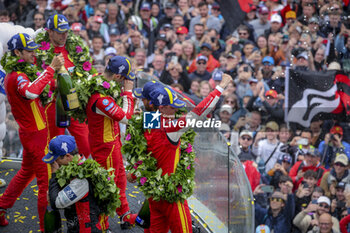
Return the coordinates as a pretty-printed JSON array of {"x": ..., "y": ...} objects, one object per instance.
[
  {"x": 305, "y": 190},
  {"x": 333, "y": 144},
  {"x": 338, "y": 202},
  {"x": 309, "y": 218}
]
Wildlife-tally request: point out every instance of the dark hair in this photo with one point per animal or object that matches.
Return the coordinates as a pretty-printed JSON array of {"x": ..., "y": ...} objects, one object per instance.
[
  {"x": 39, "y": 13},
  {"x": 108, "y": 72},
  {"x": 4, "y": 13},
  {"x": 203, "y": 3},
  {"x": 319, "y": 190},
  {"x": 284, "y": 179},
  {"x": 13, "y": 52},
  {"x": 199, "y": 24},
  {"x": 310, "y": 174},
  {"x": 307, "y": 130},
  {"x": 98, "y": 37}
]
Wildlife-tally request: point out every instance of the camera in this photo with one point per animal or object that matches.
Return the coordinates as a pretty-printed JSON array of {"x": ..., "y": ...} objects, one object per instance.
[
  {"x": 332, "y": 137},
  {"x": 296, "y": 51}
]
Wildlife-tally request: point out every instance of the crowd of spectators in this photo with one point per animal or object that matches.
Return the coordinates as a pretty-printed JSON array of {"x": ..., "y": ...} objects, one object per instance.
[{"x": 300, "y": 176}]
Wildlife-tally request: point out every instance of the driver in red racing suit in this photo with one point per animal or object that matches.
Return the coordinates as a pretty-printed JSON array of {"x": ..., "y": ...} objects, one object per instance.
[
  {"x": 104, "y": 115},
  {"x": 164, "y": 143},
  {"x": 29, "y": 114}
]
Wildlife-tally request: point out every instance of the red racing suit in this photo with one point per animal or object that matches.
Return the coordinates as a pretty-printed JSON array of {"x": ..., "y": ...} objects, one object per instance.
[
  {"x": 164, "y": 143},
  {"x": 29, "y": 114},
  {"x": 80, "y": 131},
  {"x": 103, "y": 115}
]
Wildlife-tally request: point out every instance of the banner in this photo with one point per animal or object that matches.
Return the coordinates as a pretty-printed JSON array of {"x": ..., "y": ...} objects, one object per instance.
[{"x": 310, "y": 94}]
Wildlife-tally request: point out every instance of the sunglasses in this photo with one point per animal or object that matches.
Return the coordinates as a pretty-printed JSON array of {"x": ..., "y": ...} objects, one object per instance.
[
  {"x": 276, "y": 199},
  {"x": 343, "y": 215},
  {"x": 324, "y": 206},
  {"x": 242, "y": 33},
  {"x": 339, "y": 164},
  {"x": 246, "y": 138},
  {"x": 201, "y": 63}
]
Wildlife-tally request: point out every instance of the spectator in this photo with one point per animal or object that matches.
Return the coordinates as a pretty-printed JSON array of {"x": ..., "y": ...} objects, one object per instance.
[
  {"x": 39, "y": 21},
  {"x": 198, "y": 34},
  {"x": 209, "y": 21},
  {"x": 225, "y": 114},
  {"x": 140, "y": 58},
  {"x": 148, "y": 22},
  {"x": 182, "y": 33},
  {"x": 169, "y": 10},
  {"x": 113, "y": 18},
  {"x": 244, "y": 75},
  {"x": 311, "y": 161},
  {"x": 281, "y": 169},
  {"x": 302, "y": 142},
  {"x": 333, "y": 144},
  {"x": 201, "y": 71},
  {"x": 305, "y": 190},
  {"x": 206, "y": 50},
  {"x": 91, "y": 7},
  {"x": 267, "y": 146},
  {"x": 325, "y": 225},
  {"x": 279, "y": 214},
  {"x": 276, "y": 23},
  {"x": 158, "y": 64},
  {"x": 338, "y": 173},
  {"x": 338, "y": 202},
  {"x": 175, "y": 74},
  {"x": 309, "y": 218},
  {"x": 97, "y": 52},
  {"x": 261, "y": 23}
]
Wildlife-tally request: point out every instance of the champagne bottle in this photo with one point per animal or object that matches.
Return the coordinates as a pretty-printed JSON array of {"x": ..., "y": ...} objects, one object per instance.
[
  {"x": 52, "y": 221},
  {"x": 67, "y": 91},
  {"x": 62, "y": 118},
  {"x": 143, "y": 218}
]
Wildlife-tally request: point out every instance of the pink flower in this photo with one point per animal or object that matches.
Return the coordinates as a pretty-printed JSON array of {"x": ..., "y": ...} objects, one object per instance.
[
  {"x": 49, "y": 94},
  {"x": 128, "y": 137},
  {"x": 137, "y": 164},
  {"x": 45, "y": 45},
  {"x": 179, "y": 188},
  {"x": 188, "y": 167},
  {"x": 87, "y": 66},
  {"x": 143, "y": 180},
  {"x": 189, "y": 148},
  {"x": 20, "y": 61},
  {"x": 44, "y": 66},
  {"x": 107, "y": 86},
  {"x": 38, "y": 74},
  {"x": 78, "y": 49},
  {"x": 109, "y": 178},
  {"x": 81, "y": 163}
]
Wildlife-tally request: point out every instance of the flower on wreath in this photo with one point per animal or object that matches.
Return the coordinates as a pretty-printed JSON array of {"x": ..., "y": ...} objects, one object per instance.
[
  {"x": 45, "y": 45},
  {"x": 49, "y": 94},
  {"x": 87, "y": 66},
  {"x": 179, "y": 188},
  {"x": 20, "y": 61},
  {"x": 106, "y": 85},
  {"x": 189, "y": 148},
  {"x": 188, "y": 167},
  {"x": 78, "y": 49},
  {"x": 38, "y": 73},
  {"x": 128, "y": 137},
  {"x": 44, "y": 66},
  {"x": 143, "y": 180}
]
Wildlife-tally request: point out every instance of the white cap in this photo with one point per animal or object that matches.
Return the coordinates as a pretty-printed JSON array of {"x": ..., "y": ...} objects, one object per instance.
[
  {"x": 246, "y": 132},
  {"x": 226, "y": 108},
  {"x": 276, "y": 18},
  {"x": 323, "y": 199}
]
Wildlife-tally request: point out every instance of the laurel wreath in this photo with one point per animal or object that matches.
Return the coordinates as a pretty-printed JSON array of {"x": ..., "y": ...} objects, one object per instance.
[
  {"x": 85, "y": 87},
  {"x": 14, "y": 63},
  {"x": 172, "y": 188},
  {"x": 78, "y": 54},
  {"x": 105, "y": 190}
]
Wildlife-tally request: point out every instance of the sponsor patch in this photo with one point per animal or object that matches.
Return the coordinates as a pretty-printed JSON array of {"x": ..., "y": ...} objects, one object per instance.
[
  {"x": 109, "y": 107},
  {"x": 105, "y": 102}
]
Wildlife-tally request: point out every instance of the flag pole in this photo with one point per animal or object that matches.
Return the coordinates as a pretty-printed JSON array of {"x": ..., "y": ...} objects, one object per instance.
[{"x": 286, "y": 98}]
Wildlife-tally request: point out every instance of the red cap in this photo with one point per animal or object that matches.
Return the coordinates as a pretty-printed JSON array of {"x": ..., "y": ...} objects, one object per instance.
[
  {"x": 76, "y": 27},
  {"x": 182, "y": 30},
  {"x": 271, "y": 93},
  {"x": 98, "y": 19},
  {"x": 337, "y": 130}
]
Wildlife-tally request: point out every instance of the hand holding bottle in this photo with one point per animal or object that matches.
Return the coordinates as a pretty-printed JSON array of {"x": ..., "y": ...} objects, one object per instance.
[{"x": 57, "y": 62}]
